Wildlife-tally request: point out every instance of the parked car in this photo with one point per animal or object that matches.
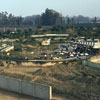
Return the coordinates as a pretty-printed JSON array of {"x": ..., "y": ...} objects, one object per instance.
[
  {"x": 57, "y": 58},
  {"x": 86, "y": 54}
]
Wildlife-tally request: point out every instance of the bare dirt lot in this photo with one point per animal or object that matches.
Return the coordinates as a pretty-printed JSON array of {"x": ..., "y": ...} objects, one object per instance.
[{"x": 71, "y": 81}]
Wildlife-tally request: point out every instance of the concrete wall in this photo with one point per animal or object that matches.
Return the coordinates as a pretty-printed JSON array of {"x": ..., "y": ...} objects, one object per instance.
[
  {"x": 28, "y": 88},
  {"x": 91, "y": 64}
]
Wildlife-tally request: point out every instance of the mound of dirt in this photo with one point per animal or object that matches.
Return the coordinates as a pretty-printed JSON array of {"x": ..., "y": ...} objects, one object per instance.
[{"x": 73, "y": 80}]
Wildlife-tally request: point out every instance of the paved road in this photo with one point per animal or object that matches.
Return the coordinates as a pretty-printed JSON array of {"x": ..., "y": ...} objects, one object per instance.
[{"x": 61, "y": 60}]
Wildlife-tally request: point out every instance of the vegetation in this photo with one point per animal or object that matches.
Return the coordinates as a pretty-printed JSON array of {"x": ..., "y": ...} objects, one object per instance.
[
  {"x": 48, "y": 22},
  {"x": 48, "y": 18}
]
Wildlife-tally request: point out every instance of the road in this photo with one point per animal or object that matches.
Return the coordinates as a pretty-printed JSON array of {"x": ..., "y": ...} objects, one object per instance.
[{"x": 39, "y": 60}]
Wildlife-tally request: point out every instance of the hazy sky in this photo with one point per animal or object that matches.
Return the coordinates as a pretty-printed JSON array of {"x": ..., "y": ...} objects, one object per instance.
[{"x": 66, "y": 7}]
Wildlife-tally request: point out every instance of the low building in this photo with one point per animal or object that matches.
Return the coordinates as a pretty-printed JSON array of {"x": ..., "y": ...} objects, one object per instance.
[
  {"x": 50, "y": 35},
  {"x": 95, "y": 44},
  {"x": 7, "y": 49}
]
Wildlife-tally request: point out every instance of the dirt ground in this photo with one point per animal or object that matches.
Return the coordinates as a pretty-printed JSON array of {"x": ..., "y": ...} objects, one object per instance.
[{"x": 6, "y": 95}]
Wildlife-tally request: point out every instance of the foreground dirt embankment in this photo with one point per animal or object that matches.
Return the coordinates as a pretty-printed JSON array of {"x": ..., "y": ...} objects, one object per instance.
[{"x": 71, "y": 80}]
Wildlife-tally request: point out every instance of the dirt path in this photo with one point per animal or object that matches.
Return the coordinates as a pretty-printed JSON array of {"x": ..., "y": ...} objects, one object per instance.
[
  {"x": 6, "y": 95},
  {"x": 59, "y": 98}
]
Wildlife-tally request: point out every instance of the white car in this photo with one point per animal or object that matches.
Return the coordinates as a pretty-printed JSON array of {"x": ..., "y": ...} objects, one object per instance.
[
  {"x": 86, "y": 54},
  {"x": 71, "y": 55},
  {"x": 32, "y": 53},
  {"x": 62, "y": 53},
  {"x": 81, "y": 54}
]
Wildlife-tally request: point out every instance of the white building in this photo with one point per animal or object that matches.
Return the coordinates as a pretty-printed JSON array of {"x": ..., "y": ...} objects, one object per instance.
[{"x": 95, "y": 44}]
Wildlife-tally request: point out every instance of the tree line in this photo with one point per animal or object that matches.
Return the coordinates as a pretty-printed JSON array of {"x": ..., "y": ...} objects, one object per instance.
[{"x": 48, "y": 18}]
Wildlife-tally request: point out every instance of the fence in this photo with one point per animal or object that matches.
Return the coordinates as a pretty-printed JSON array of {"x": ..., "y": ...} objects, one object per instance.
[{"x": 27, "y": 88}]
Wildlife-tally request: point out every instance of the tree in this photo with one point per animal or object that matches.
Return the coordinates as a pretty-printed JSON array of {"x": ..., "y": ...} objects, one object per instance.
[
  {"x": 38, "y": 20},
  {"x": 19, "y": 20},
  {"x": 95, "y": 20},
  {"x": 50, "y": 17}
]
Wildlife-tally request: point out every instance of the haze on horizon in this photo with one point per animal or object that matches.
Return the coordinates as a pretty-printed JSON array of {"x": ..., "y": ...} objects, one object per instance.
[{"x": 65, "y": 7}]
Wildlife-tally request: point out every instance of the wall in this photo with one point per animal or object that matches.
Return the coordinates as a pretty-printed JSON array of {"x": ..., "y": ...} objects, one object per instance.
[
  {"x": 27, "y": 88},
  {"x": 91, "y": 64}
]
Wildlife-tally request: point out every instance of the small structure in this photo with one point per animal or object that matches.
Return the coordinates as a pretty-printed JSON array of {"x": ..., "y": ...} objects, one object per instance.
[{"x": 46, "y": 42}]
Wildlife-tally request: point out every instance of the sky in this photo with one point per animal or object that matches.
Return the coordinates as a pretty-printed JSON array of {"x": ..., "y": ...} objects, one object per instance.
[{"x": 89, "y": 8}]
